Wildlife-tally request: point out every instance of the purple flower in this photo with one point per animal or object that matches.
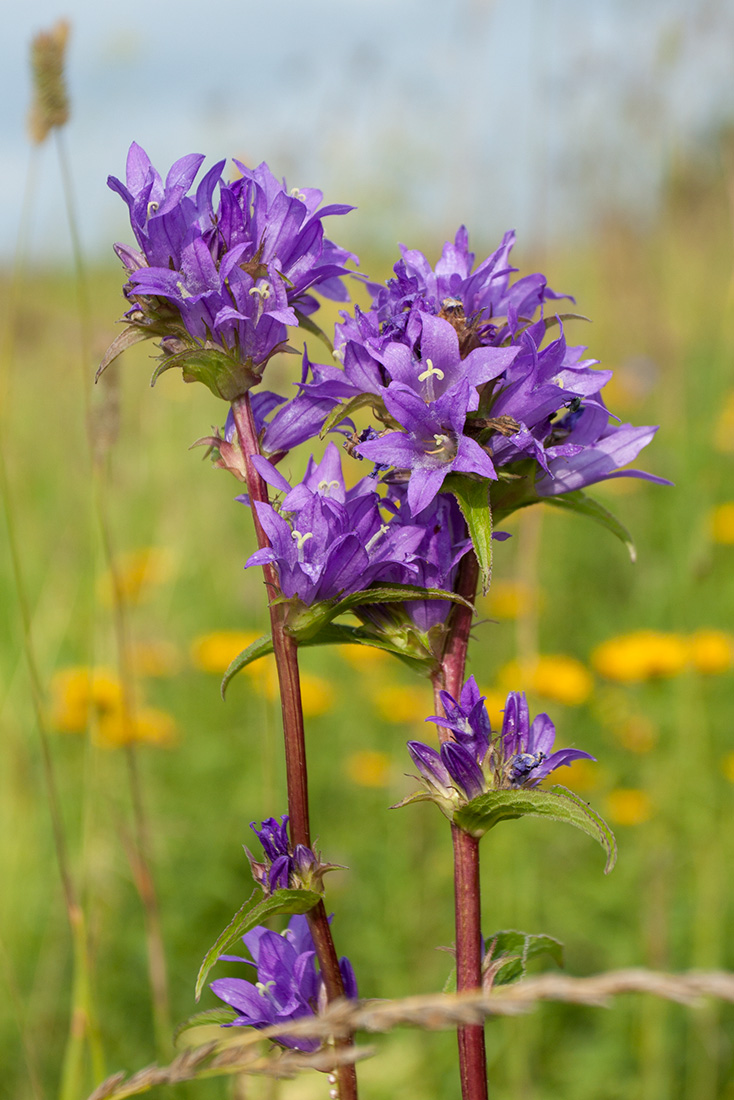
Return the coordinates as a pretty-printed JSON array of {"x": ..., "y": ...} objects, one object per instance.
[
  {"x": 287, "y": 987},
  {"x": 475, "y": 760},
  {"x": 227, "y": 277},
  {"x": 285, "y": 867},
  {"x": 326, "y": 541}
]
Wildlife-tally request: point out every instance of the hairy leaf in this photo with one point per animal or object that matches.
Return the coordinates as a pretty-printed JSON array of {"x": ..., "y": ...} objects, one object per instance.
[{"x": 473, "y": 499}]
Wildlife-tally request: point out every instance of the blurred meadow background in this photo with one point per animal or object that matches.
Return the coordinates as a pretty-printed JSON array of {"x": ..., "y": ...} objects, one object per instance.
[{"x": 604, "y": 133}]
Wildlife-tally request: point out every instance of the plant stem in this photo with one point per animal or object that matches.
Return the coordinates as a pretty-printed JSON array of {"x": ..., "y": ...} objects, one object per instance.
[
  {"x": 467, "y": 897},
  {"x": 285, "y": 649}
]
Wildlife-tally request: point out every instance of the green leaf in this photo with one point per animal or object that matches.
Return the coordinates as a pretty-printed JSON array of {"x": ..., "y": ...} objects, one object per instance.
[
  {"x": 255, "y": 910},
  {"x": 579, "y": 502},
  {"x": 341, "y": 411},
  {"x": 259, "y": 648},
  {"x": 473, "y": 499},
  {"x": 487, "y": 810},
  {"x": 396, "y": 593},
  {"x": 313, "y": 328},
  {"x": 216, "y": 1016},
  {"x": 133, "y": 334},
  {"x": 509, "y": 952}
]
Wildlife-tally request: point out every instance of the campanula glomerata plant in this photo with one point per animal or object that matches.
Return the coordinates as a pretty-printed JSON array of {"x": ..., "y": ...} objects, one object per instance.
[{"x": 463, "y": 400}]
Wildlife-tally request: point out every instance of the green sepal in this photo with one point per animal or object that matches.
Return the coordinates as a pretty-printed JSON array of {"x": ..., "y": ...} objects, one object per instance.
[
  {"x": 397, "y": 593},
  {"x": 342, "y": 411},
  {"x": 509, "y": 951},
  {"x": 225, "y": 375},
  {"x": 313, "y": 328},
  {"x": 209, "y": 1016},
  {"x": 577, "y": 501},
  {"x": 472, "y": 496},
  {"x": 487, "y": 810},
  {"x": 255, "y": 910}
]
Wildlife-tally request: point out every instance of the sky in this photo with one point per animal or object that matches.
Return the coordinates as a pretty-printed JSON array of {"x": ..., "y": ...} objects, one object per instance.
[{"x": 526, "y": 114}]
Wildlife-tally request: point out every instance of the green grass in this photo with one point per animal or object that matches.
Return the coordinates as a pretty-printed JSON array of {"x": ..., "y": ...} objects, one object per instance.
[{"x": 668, "y": 904}]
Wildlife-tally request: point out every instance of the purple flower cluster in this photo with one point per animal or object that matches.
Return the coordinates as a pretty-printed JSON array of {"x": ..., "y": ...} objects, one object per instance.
[
  {"x": 287, "y": 987},
  {"x": 230, "y": 276},
  {"x": 464, "y": 381},
  {"x": 474, "y": 760},
  {"x": 285, "y": 867}
]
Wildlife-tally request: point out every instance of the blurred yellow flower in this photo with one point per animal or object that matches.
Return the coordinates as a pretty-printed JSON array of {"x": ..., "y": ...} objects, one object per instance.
[
  {"x": 724, "y": 431},
  {"x": 711, "y": 651},
  {"x": 583, "y": 775},
  {"x": 369, "y": 768},
  {"x": 722, "y": 523},
  {"x": 80, "y": 692},
  {"x": 642, "y": 655},
  {"x": 317, "y": 694},
  {"x": 510, "y": 599},
  {"x": 214, "y": 652},
  {"x": 554, "y": 676},
  {"x": 155, "y": 658},
  {"x": 363, "y": 656},
  {"x": 637, "y": 733},
  {"x": 136, "y": 572},
  {"x": 628, "y": 806},
  {"x": 495, "y": 704},
  {"x": 146, "y": 726},
  {"x": 727, "y": 766},
  {"x": 402, "y": 705}
]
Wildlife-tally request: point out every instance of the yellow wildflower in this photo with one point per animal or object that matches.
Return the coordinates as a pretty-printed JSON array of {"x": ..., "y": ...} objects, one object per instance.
[
  {"x": 722, "y": 523},
  {"x": 402, "y": 704},
  {"x": 215, "y": 652},
  {"x": 585, "y": 775},
  {"x": 495, "y": 704},
  {"x": 80, "y": 692},
  {"x": 628, "y": 806},
  {"x": 369, "y": 768},
  {"x": 727, "y": 766},
  {"x": 510, "y": 599},
  {"x": 363, "y": 657},
  {"x": 711, "y": 651},
  {"x": 317, "y": 694},
  {"x": 135, "y": 574},
  {"x": 146, "y": 726},
  {"x": 554, "y": 676},
  {"x": 642, "y": 655}
]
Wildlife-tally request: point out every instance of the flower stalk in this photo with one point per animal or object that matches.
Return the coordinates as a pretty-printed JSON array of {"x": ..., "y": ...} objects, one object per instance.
[
  {"x": 286, "y": 657},
  {"x": 467, "y": 896}
]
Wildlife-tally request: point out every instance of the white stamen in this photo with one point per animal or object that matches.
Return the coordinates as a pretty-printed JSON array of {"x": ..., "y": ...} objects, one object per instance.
[
  {"x": 338, "y": 354},
  {"x": 263, "y": 291},
  {"x": 152, "y": 208},
  {"x": 299, "y": 539},
  {"x": 325, "y": 486},
  {"x": 558, "y": 381},
  {"x": 182, "y": 288},
  {"x": 263, "y": 988},
  {"x": 377, "y": 535},
  {"x": 430, "y": 371},
  {"x": 440, "y": 441},
  {"x": 296, "y": 194}
]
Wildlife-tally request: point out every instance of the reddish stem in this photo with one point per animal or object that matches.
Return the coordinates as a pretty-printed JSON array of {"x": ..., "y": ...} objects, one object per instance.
[
  {"x": 285, "y": 649},
  {"x": 467, "y": 897}
]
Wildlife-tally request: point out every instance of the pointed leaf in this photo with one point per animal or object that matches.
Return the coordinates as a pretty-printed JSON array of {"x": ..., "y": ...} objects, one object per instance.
[
  {"x": 255, "y": 910},
  {"x": 259, "y": 648},
  {"x": 216, "y": 1016},
  {"x": 473, "y": 499},
  {"x": 313, "y": 328},
  {"x": 577, "y": 501},
  {"x": 487, "y": 810},
  {"x": 397, "y": 593},
  {"x": 345, "y": 409},
  {"x": 133, "y": 334},
  {"x": 509, "y": 951}
]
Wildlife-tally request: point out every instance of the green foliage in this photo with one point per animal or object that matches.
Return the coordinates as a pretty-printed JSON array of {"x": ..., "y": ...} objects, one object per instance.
[
  {"x": 559, "y": 804},
  {"x": 472, "y": 495},
  {"x": 254, "y": 911}
]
